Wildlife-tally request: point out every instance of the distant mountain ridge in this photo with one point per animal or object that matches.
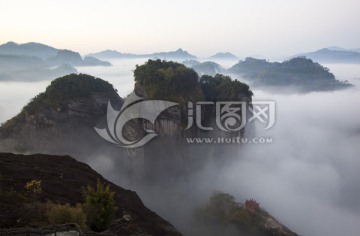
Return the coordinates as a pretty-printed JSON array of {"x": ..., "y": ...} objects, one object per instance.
[
  {"x": 48, "y": 53},
  {"x": 28, "y": 49},
  {"x": 335, "y": 48},
  {"x": 300, "y": 73},
  {"x": 334, "y": 55},
  {"x": 35, "y": 61},
  {"x": 223, "y": 56},
  {"x": 178, "y": 54},
  {"x": 109, "y": 54},
  {"x": 206, "y": 68}
]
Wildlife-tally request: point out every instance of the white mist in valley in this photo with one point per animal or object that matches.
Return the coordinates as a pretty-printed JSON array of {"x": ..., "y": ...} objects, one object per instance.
[
  {"x": 15, "y": 95},
  {"x": 307, "y": 178},
  {"x": 120, "y": 74}
]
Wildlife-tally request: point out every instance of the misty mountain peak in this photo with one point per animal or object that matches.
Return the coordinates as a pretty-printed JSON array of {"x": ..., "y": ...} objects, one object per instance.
[
  {"x": 224, "y": 55},
  {"x": 334, "y": 55},
  {"x": 10, "y": 43},
  {"x": 49, "y": 55},
  {"x": 336, "y": 48},
  {"x": 324, "y": 50}
]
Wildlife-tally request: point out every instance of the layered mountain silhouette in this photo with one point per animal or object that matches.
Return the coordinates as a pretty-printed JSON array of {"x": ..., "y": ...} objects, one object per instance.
[
  {"x": 178, "y": 54},
  {"x": 205, "y": 68},
  {"x": 49, "y": 54},
  {"x": 334, "y": 55},
  {"x": 28, "y": 49},
  {"x": 35, "y": 61},
  {"x": 223, "y": 56}
]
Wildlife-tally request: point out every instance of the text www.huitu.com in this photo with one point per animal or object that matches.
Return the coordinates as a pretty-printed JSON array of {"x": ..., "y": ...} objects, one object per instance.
[{"x": 231, "y": 140}]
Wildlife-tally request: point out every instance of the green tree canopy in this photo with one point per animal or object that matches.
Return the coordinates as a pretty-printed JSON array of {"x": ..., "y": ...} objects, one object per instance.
[
  {"x": 70, "y": 87},
  {"x": 222, "y": 88},
  {"x": 173, "y": 81},
  {"x": 99, "y": 207},
  {"x": 168, "y": 80}
]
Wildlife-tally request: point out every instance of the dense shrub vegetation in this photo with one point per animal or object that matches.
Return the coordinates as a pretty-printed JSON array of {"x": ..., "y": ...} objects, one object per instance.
[
  {"x": 222, "y": 88},
  {"x": 99, "y": 207},
  {"x": 168, "y": 80},
  {"x": 27, "y": 207},
  {"x": 63, "y": 214}
]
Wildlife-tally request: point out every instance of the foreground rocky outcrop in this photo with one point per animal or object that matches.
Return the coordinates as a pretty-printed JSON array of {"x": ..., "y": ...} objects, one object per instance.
[{"x": 62, "y": 181}]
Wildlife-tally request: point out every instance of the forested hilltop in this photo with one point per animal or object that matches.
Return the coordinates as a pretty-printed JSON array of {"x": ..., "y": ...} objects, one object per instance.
[{"x": 298, "y": 73}]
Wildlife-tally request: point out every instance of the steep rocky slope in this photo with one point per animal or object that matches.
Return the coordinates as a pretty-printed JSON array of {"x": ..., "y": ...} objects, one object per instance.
[{"x": 63, "y": 179}]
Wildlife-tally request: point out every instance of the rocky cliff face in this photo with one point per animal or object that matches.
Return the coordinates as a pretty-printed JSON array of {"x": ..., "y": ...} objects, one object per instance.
[
  {"x": 62, "y": 180},
  {"x": 171, "y": 156}
]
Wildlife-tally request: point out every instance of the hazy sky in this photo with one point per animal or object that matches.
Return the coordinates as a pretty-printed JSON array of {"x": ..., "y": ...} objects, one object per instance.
[{"x": 271, "y": 28}]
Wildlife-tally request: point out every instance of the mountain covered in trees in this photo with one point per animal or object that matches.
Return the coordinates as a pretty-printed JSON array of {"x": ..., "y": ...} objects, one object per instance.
[
  {"x": 299, "y": 73},
  {"x": 61, "y": 120}
]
